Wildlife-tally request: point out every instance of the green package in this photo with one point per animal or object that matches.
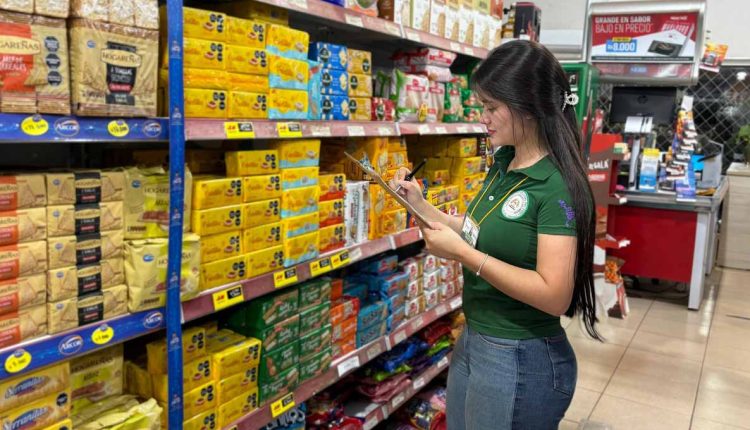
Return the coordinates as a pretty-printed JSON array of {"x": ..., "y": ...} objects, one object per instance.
[
  {"x": 284, "y": 383},
  {"x": 314, "y": 318},
  {"x": 315, "y": 365},
  {"x": 314, "y": 342},
  {"x": 277, "y": 361},
  {"x": 314, "y": 293},
  {"x": 462, "y": 80},
  {"x": 472, "y": 114},
  {"x": 469, "y": 99},
  {"x": 453, "y": 110},
  {"x": 275, "y": 336},
  {"x": 264, "y": 311}
]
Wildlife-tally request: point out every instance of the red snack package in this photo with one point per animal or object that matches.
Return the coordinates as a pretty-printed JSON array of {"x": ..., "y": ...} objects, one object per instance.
[{"x": 383, "y": 109}]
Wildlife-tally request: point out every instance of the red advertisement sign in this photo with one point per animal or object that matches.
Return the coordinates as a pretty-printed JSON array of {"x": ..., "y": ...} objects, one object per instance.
[{"x": 648, "y": 38}]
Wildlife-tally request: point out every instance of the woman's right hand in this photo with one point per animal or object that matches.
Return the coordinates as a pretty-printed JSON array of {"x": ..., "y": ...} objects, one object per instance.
[{"x": 410, "y": 190}]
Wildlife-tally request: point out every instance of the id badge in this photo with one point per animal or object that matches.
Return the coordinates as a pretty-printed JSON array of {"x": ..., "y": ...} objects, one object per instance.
[{"x": 470, "y": 231}]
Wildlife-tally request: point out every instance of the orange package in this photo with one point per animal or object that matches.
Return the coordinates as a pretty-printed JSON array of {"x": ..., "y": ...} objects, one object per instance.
[
  {"x": 34, "y": 72},
  {"x": 345, "y": 330}
]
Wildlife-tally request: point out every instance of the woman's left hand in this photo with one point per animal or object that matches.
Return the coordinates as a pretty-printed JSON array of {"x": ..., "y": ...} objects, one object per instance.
[{"x": 442, "y": 241}]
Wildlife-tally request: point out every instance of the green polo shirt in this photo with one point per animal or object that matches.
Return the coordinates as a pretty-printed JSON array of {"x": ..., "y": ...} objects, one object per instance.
[{"x": 541, "y": 204}]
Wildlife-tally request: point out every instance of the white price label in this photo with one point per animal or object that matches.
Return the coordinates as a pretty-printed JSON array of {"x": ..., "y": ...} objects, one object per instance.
[
  {"x": 399, "y": 337},
  {"x": 419, "y": 383},
  {"x": 417, "y": 323},
  {"x": 443, "y": 362},
  {"x": 423, "y": 129},
  {"x": 385, "y": 131},
  {"x": 455, "y": 303},
  {"x": 441, "y": 130},
  {"x": 441, "y": 310},
  {"x": 388, "y": 343},
  {"x": 392, "y": 29},
  {"x": 469, "y": 51},
  {"x": 413, "y": 36},
  {"x": 355, "y": 254},
  {"x": 355, "y": 130},
  {"x": 455, "y": 47},
  {"x": 478, "y": 129},
  {"x": 374, "y": 351},
  {"x": 302, "y": 4},
  {"x": 354, "y": 20},
  {"x": 370, "y": 423},
  {"x": 396, "y": 402},
  {"x": 320, "y": 131},
  {"x": 348, "y": 365},
  {"x": 462, "y": 129}
]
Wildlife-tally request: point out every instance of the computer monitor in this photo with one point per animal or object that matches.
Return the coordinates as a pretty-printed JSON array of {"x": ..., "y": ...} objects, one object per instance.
[{"x": 656, "y": 102}]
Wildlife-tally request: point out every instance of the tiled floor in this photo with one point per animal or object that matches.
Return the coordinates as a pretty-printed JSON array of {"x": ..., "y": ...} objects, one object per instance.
[{"x": 665, "y": 367}]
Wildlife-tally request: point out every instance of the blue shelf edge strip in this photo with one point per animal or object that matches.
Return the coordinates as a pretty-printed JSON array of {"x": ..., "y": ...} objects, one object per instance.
[
  {"x": 64, "y": 346},
  {"x": 176, "y": 203},
  {"x": 30, "y": 127}
]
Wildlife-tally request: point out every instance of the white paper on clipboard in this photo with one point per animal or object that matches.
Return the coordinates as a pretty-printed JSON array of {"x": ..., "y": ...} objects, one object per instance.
[{"x": 399, "y": 198}]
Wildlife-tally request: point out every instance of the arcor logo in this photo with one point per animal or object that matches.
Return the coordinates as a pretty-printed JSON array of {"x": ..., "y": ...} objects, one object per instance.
[{"x": 120, "y": 58}]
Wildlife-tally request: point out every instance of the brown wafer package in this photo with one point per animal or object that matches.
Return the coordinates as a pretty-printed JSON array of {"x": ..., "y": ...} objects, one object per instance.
[
  {"x": 54, "y": 8},
  {"x": 113, "y": 69},
  {"x": 22, "y": 191},
  {"x": 84, "y": 249},
  {"x": 23, "y": 259},
  {"x": 23, "y": 225},
  {"x": 75, "y": 281},
  {"x": 85, "y": 186},
  {"x": 22, "y": 325},
  {"x": 25, "y": 6},
  {"x": 36, "y": 75},
  {"x": 88, "y": 309},
  {"x": 68, "y": 220},
  {"x": 22, "y": 293}
]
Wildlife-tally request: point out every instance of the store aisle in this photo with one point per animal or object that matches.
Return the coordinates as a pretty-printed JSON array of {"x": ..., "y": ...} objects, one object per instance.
[{"x": 665, "y": 367}]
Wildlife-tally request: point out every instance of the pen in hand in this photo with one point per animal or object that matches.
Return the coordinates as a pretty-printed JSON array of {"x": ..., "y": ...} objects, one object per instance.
[{"x": 410, "y": 176}]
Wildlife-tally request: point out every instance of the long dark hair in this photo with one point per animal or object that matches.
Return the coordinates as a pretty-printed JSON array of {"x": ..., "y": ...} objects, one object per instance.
[{"x": 527, "y": 78}]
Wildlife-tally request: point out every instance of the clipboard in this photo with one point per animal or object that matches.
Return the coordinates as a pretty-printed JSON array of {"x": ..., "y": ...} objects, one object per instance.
[{"x": 400, "y": 199}]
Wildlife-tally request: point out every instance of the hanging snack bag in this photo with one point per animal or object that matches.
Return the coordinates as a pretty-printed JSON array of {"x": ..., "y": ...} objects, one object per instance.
[
  {"x": 453, "y": 109},
  {"x": 410, "y": 93}
]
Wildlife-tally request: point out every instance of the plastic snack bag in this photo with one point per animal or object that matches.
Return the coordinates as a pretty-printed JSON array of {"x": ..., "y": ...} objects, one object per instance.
[
  {"x": 453, "y": 110},
  {"x": 410, "y": 93}
]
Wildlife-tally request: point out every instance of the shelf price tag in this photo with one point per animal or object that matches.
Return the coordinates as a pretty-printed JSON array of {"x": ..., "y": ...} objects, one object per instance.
[
  {"x": 456, "y": 303},
  {"x": 354, "y": 20},
  {"x": 282, "y": 405},
  {"x": 348, "y": 365},
  {"x": 320, "y": 267},
  {"x": 423, "y": 129},
  {"x": 16, "y": 362},
  {"x": 443, "y": 362},
  {"x": 289, "y": 129},
  {"x": 370, "y": 423},
  {"x": 462, "y": 129},
  {"x": 34, "y": 125},
  {"x": 302, "y": 4},
  {"x": 320, "y": 131},
  {"x": 441, "y": 130},
  {"x": 413, "y": 36},
  {"x": 374, "y": 351},
  {"x": 478, "y": 129},
  {"x": 226, "y": 298},
  {"x": 355, "y": 130},
  {"x": 285, "y": 277},
  {"x": 384, "y": 131},
  {"x": 417, "y": 323},
  {"x": 455, "y": 47},
  {"x": 340, "y": 259},
  {"x": 419, "y": 383},
  {"x": 102, "y": 335},
  {"x": 468, "y": 50},
  {"x": 396, "y": 402},
  {"x": 118, "y": 128},
  {"x": 441, "y": 310},
  {"x": 399, "y": 337},
  {"x": 239, "y": 130},
  {"x": 392, "y": 29}
]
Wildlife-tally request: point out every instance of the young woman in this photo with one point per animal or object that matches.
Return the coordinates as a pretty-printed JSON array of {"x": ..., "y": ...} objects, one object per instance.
[{"x": 526, "y": 245}]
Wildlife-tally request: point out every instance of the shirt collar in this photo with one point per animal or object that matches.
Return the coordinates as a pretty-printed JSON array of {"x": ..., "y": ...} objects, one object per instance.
[{"x": 539, "y": 171}]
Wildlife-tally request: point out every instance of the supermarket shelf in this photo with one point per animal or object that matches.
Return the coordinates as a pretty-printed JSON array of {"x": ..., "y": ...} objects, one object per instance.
[
  {"x": 380, "y": 413},
  {"x": 441, "y": 128},
  {"x": 220, "y": 129},
  {"x": 36, "y": 353},
  {"x": 617, "y": 200},
  {"x": 368, "y": 24},
  {"x": 351, "y": 362},
  {"x": 57, "y": 128},
  {"x": 219, "y": 298}
]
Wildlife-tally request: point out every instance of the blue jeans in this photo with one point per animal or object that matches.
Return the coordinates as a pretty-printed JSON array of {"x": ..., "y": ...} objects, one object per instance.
[{"x": 503, "y": 384}]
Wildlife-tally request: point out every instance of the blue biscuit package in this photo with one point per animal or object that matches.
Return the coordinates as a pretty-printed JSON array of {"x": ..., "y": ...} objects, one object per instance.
[
  {"x": 371, "y": 313},
  {"x": 288, "y": 74},
  {"x": 335, "y": 83},
  {"x": 396, "y": 318},
  {"x": 388, "y": 286},
  {"x": 329, "y": 55},
  {"x": 334, "y": 108},
  {"x": 396, "y": 301},
  {"x": 356, "y": 286},
  {"x": 369, "y": 334},
  {"x": 381, "y": 266},
  {"x": 314, "y": 90}
]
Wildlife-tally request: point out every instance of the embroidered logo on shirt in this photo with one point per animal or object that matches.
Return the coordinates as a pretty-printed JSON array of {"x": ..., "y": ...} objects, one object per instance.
[
  {"x": 570, "y": 215},
  {"x": 516, "y": 205}
]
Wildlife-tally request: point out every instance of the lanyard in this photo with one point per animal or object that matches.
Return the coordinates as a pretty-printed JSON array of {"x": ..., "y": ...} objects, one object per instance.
[{"x": 471, "y": 214}]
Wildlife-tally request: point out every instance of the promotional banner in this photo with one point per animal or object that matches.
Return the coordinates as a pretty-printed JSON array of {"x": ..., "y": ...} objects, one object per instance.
[{"x": 648, "y": 37}]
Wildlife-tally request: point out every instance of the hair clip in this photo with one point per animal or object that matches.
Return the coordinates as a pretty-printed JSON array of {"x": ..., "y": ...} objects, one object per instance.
[{"x": 569, "y": 98}]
